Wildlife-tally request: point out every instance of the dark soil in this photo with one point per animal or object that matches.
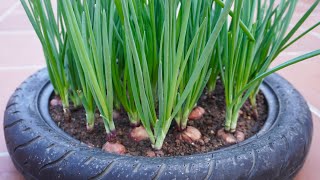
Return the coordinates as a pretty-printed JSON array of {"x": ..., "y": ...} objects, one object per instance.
[{"x": 208, "y": 125}]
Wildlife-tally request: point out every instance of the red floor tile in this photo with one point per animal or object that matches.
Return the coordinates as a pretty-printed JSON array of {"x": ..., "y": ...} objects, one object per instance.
[
  {"x": 5, "y": 5},
  {"x": 16, "y": 21},
  {"x": 20, "y": 50},
  {"x": 303, "y": 6},
  {"x": 8, "y": 171},
  {"x": 310, "y": 171},
  {"x": 307, "y": 44},
  {"x": 11, "y": 79},
  {"x": 305, "y": 77}
]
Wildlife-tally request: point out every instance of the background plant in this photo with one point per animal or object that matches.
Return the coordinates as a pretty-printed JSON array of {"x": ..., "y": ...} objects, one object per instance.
[
  {"x": 145, "y": 19},
  {"x": 92, "y": 43},
  {"x": 244, "y": 62},
  {"x": 52, "y": 35}
]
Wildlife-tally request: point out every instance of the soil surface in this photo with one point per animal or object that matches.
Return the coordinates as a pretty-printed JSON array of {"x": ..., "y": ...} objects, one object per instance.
[{"x": 209, "y": 124}]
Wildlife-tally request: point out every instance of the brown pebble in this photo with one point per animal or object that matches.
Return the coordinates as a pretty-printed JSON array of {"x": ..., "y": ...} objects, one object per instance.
[
  {"x": 226, "y": 137},
  {"x": 240, "y": 136},
  {"x": 115, "y": 148},
  {"x": 150, "y": 154},
  {"x": 230, "y": 139},
  {"x": 116, "y": 115},
  {"x": 196, "y": 113},
  {"x": 240, "y": 112},
  {"x": 206, "y": 139},
  {"x": 191, "y": 123},
  {"x": 203, "y": 148},
  {"x": 159, "y": 153},
  {"x": 201, "y": 142},
  {"x": 139, "y": 134},
  {"x": 120, "y": 133},
  {"x": 178, "y": 141},
  {"x": 190, "y": 134},
  {"x": 55, "y": 102},
  {"x": 170, "y": 151},
  {"x": 208, "y": 122},
  {"x": 241, "y": 123}
]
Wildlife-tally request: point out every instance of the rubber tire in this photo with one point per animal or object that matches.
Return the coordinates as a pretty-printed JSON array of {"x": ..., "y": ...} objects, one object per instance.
[{"x": 40, "y": 150}]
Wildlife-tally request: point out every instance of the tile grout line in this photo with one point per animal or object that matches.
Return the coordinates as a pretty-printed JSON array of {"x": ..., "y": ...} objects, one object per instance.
[
  {"x": 9, "y": 11},
  {"x": 314, "y": 110}
]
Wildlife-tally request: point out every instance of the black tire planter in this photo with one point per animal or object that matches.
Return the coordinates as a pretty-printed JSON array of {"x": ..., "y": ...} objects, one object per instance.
[{"x": 40, "y": 150}]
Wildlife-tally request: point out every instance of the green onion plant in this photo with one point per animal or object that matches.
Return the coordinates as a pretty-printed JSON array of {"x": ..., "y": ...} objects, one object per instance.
[
  {"x": 52, "y": 35},
  {"x": 244, "y": 62},
  {"x": 145, "y": 18},
  {"x": 174, "y": 55},
  {"x": 91, "y": 36},
  {"x": 154, "y": 58}
]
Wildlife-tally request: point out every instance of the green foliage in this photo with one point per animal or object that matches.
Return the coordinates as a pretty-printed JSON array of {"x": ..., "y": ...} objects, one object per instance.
[
  {"x": 156, "y": 57},
  {"x": 244, "y": 62},
  {"x": 52, "y": 36}
]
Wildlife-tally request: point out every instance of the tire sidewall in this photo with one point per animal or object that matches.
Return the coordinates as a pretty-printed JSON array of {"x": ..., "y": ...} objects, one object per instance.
[{"x": 39, "y": 149}]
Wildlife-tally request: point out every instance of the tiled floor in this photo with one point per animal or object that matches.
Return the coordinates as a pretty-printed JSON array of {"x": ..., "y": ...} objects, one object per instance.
[{"x": 20, "y": 56}]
